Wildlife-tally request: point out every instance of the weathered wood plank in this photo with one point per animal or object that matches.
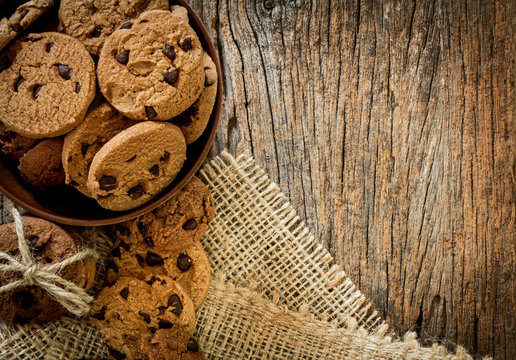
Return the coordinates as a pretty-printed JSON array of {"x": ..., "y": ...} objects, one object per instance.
[{"x": 391, "y": 127}]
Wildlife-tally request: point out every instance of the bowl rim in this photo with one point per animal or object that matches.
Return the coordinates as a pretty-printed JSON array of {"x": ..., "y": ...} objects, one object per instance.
[{"x": 166, "y": 194}]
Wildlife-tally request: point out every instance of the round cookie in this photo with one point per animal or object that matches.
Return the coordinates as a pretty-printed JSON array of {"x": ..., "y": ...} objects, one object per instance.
[
  {"x": 178, "y": 223},
  {"x": 41, "y": 166},
  {"x": 92, "y": 21},
  {"x": 131, "y": 307},
  {"x": 13, "y": 145},
  {"x": 136, "y": 164},
  {"x": 47, "y": 84},
  {"x": 194, "y": 120},
  {"x": 189, "y": 267},
  {"x": 84, "y": 141},
  {"x": 50, "y": 244},
  {"x": 169, "y": 344},
  {"x": 159, "y": 80}
]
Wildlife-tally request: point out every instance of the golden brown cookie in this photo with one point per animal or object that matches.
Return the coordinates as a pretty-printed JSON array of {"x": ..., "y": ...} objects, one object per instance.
[
  {"x": 47, "y": 84},
  {"x": 189, "y": 267},
  {"x": 41, "y": 166},
  {"x": 84, "y": 141},
  {"x": 175, "y": 225},
  {"x": 169, "y": 344},
  {"x": 159, "y": 80},
  {"x": 131, "y": 307},
  {"x": 194, "y": 120},
  {"x": 13, "y": 145},
  {"x": 92, "y": 21},
  {"x": 136, "y": 164},
  {"x": 6, "y": 33},
  {"x": 50, "y": 244}
]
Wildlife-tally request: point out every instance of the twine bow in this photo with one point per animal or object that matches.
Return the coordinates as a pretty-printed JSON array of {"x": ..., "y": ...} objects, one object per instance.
[{"x": 72, "y": 297}]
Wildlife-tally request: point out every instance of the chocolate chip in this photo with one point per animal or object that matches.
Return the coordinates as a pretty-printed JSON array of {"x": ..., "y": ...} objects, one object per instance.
[
  {"x": 175, "y": 303},
  {"x": 169, "y": 52},
  {"x": 35, "y": 91},
  {"x": 64, "y": 71},
  {"x": 34, "y": 244},
  {"x": 124, "y": 292},
  {"x": 16, "y": 27},
  {"x": 24, "y": 299},
  {"x": 107, "y": 183},
  {"x": 124, "y": 231},
  {"x": 116, "y": 252},
  {"x": 18, "y": 82},
  {"x": 5, "y": 62},
  {"x": 209, "y": 81},
  {"x": 162, "y": 309},
  {"x": 48, "y": 47},
  {"x": 125, "y": 245},
  {"x": 153, "y": 259},
  {"x": 110, "y": 264},
  {"x": 171, "y": 76},
  {"x": 192, "y": 345},
  {"x": 184, "y": 262},
  {"x": 165, "y": 324},
  {"x": 96, "y": 32},
  {"x": 123, "y": 57},
  {"x": 154, "y": 170},
  {"x": 23, "y": 14},
  {"x": 165, "y": 156},
  {"x": 127, "y": 25},
  {"x": 148, "y": 241},
  {"x": 117, "y": 355},
  {"x": 135, "y": 192},
  {"x": 152, "y": 280},
  {"x": 190, "y": 224},
  {"x": 100, "y": 315},
  {"x": 185, "y": 119},
  {"x": 84, "y": 148},
  {"x": 151, "y": 113},
  {"x": 142, "y": 228},
  {"x": 152, "y": 329},
  {"x": 186, "y": 43},
  {"x": 140, "y": 260},
  {"x": 77, "y": 87},
  {"x": 145, "y": 316},
  {"x": 31, "y": 39},
  {"x": 131, "y": 158}
]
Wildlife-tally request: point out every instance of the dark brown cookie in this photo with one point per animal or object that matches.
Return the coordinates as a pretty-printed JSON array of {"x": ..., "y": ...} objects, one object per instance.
[
  {"x": 50, "y": 245},
  {"x": 13, "y": 145},
  {"x": 169, "y": 344}
]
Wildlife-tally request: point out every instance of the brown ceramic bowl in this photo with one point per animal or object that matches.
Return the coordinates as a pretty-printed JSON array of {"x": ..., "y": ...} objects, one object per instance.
[{"x": 66, "y": 205}]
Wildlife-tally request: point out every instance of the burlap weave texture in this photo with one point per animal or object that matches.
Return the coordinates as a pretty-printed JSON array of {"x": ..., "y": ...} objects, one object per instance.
[{"x": 276, "y": 293}]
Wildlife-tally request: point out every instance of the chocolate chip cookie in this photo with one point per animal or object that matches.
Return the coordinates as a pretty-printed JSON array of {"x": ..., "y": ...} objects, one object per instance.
[
  {"x": 92, "y": 21},
  {"x": 13, "y": 145},
  {"x": 41, "y": 166},
  {"x": 178, "y": 223},
  {"x": 50, "y": 244},
  {"x": 159, "y": 80},
  {"x": 131, "y": 307},
  {"x": 84, "y": 141},
  {"x": 189, "y": 267},
  {"x": 169, "y": 344},
  {"x": 47, "y": 82},
  {"x": 194, "y": 120},
  {"x": 136, "y": 164}
]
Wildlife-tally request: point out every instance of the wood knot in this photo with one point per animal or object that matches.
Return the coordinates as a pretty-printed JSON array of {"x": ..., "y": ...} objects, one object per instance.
[{"x": 268, "y": 4}]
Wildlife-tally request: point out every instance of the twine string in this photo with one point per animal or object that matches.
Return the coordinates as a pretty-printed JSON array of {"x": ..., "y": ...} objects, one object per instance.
[{"x": 72, "y": 297}]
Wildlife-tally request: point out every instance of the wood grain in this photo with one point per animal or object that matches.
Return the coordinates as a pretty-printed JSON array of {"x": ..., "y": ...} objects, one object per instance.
[{"x": 391, "y": 127}]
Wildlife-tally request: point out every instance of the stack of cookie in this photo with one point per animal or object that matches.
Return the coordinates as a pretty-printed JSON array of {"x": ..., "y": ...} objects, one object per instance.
[
  {"x": 157, "y": 277},
  {"x": 157, "y": 91}
]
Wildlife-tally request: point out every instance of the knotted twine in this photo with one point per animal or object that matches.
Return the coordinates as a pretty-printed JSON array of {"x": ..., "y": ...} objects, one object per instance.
[{"x": 72, "y": 297}]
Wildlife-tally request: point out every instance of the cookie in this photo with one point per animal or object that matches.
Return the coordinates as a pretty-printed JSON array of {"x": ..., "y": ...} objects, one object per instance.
[
  {"x": 13, "y": 145},
  {"x": 136, "y": 164},
  {"x": 41, "y": 166},
  {"x": 47, "y": 82},
  {"x": 169, "y": 344},
  {"x": 189, "y": 267},
  {"x": 194, "y": 120},
  {"x": 84, "y": 141},
  {"x": 6, "y": 33},
  {"x": 131, "y": 307},
  {"x": 93, "y": 21},
  {"x": 159, "y": 80},
  {"x": 175, "y": 225},
  {"x": 180, "y": 12},
  {"x": 50, "y": 244}
]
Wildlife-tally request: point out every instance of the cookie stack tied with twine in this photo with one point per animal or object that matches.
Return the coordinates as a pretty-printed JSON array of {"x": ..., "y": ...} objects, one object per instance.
[
  {"x": 44, "y": 271},
  {"x": 156, "y": 279}
]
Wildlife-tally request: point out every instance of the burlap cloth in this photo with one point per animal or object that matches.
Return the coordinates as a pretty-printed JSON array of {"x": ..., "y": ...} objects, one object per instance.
[{"x": 276, "y": 292}]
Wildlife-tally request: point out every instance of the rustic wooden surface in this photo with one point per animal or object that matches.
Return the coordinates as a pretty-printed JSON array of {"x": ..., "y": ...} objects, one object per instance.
[{"x": 391, "y": 127}]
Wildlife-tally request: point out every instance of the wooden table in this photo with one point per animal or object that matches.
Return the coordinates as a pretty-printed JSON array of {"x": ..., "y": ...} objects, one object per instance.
[{"x": 391, "y": 127}]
